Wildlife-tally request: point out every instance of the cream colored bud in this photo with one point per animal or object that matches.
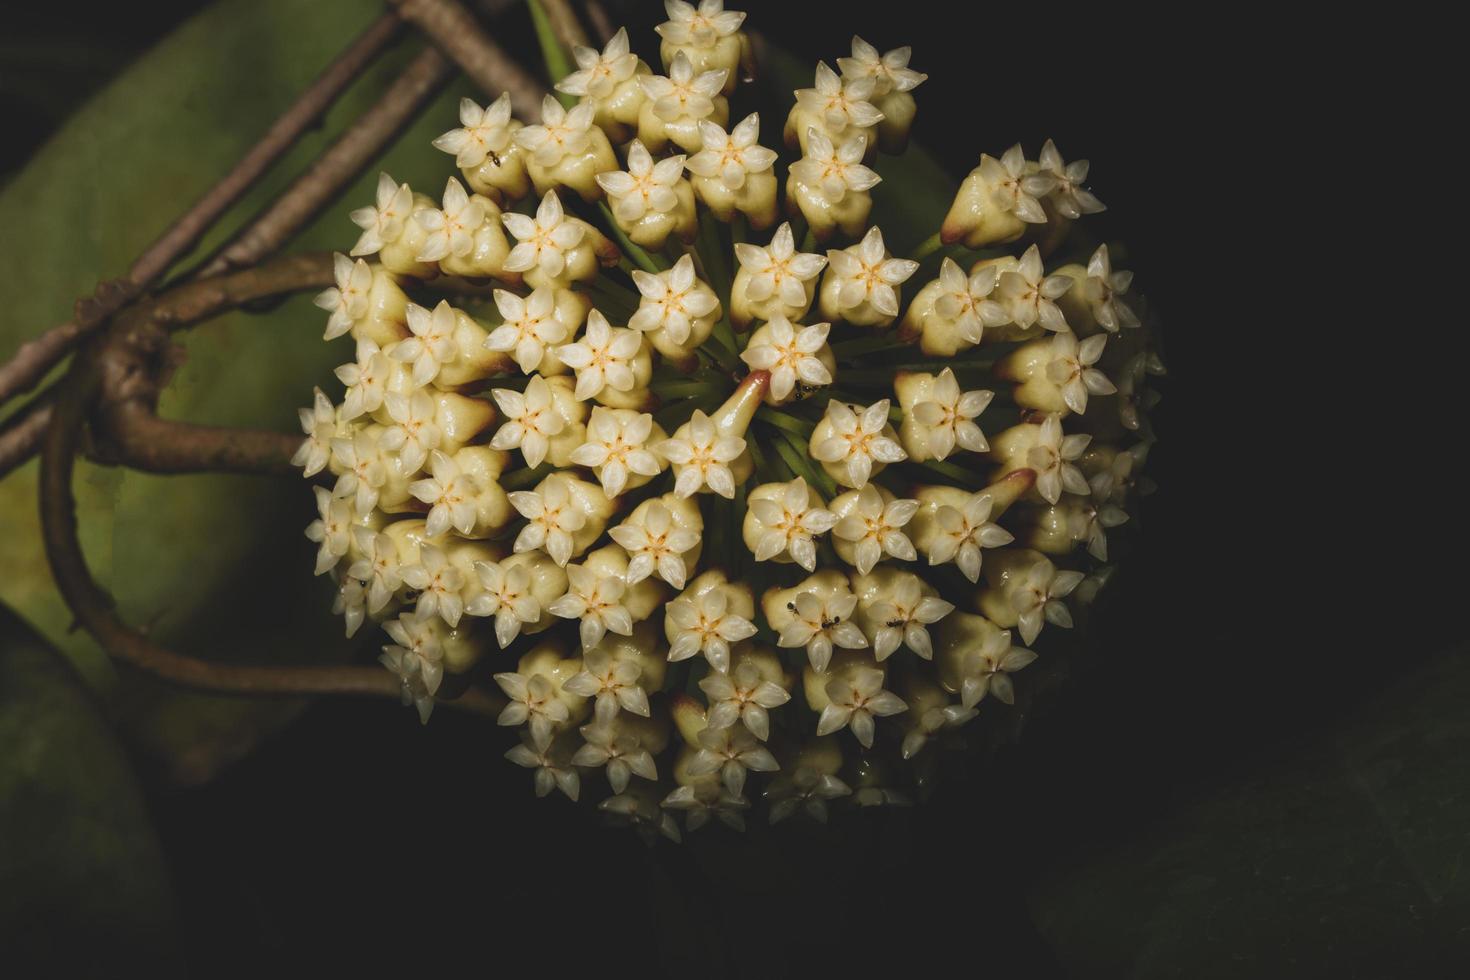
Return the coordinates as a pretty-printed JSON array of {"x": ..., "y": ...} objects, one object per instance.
[
  {"x": 474, "y": 362},
  {"x": 502, "y": 177},
  {"x": 486, "y": 257},
  {"x": 573, "y": 413},
  {"x": 400, "y": 256},
  {"x": 899, "y": 109},
  {"x": 484, "y": 466},
  {"x": 386, "y": 319}
]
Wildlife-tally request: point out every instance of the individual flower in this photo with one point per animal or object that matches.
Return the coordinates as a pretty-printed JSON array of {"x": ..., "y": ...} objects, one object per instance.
[
  {"x": 701, "y": 457},
  {"x": 678, "y": 102},
  {"x": 731, "y": 158},
  {"x": 785, "y": 518},
  {"x": 414, "y": 432},
  {"x": 552, "y": 516},
  {"x": 562, "y": 133},
  {"x": 1103, "y": 289},
  {"x": 675, "y": 302},
  {"x": 861, "y": 285},
  {"x": 743, "y": 695},
  {"x": 417, "y": 648},
  {"x": 655, "y": 545},
  {"x": 1090, "y": 521},
  {"x": 830, "y": 184},
  {"x": 977, "y": 658},
  {"x": 412, "y": 689},
  {"x": 383, "y": 223},
  {"x": 889, "y": 72},
  {"x": 531, "y": 325},
  {"x": 701, "y": 26},
  {"x": 1012, "y": 189},
  {"x": 1071, "y": 369},
  {"x": 614, "y": 683},
  {"x": 617, "y": 447},
  {"x": 641, "y": 812},
  {"x": 620, "y": 751},
  {"x": 450, "y": 228},
  {"x": 438, "y": 584},
  {"x": 646, "y": 187},
  {"x": 963, "y": 304},
  {"x": 506, "y": 594},
  {"x": 1068, "y": 196},
  {"x": 531, "y": 420},
  {"x": 483, "y": 132},
  {"x": 955, "y": 532},
  {"x": 731, "y": 752},
  {"x": 1053, "y": 456},
  {"x": 542, "y": 242},
  {"x": 833, "y": 107},
  {"x": 350, "y": 602},
  {"x": 432, "y": 344},
  {"x": 703, "y": 622},
  {"x": 820, "y": 620},
  {"x": 929, "y": 716},
  {"x": 321, "y": 425},
  {"x": 366, "y": 380},
  {"x": 553, "y": 769},
  {"x": 596, "y": 600},
  {"x": 872, "y": 527},
  {"x": 853, "y": 442},
  {"x": 945, "y": 419},
  {"x": 533, "y": 700},
  {"x": 706, "y": 797},
  {"x": 810, "y": 791},
  {"x": 362, "y": 470},
  {"x": 1037, "y": 598},
  {"x": 1030, "y": 296},
  {"x": 376, "y": 565},
  {"x": 450, "y": 494},
  {"x": 602, "y": 357},
  {"x": 855, "y": 697},
  {"x": 791, "y": 355},
  {"x": 347, "y": 302},
  {"x": 332, "y": 530},
  {"x": 599, "y": 73},
  {"x": 897, "y": 613},
  {"x": 773, "y": 281}
]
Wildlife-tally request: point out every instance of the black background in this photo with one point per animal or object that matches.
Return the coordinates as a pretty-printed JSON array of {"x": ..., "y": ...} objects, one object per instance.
[{"x": 358, "y": 838}]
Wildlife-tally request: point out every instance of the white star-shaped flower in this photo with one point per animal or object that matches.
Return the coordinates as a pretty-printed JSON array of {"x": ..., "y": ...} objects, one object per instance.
[
  {"x": 987, "y": 669},
  {"x": 530, "y": 325},
  {"x": 412, "y": 688},
  {"x": 790, "y": 355},
  {"x": 853, "y": 436},
  {"x": 363, "y": 472},
  {"x": 617, "y": 749},
  {"x": 438, "y": 584},
  {"x": 1014, "y": 190},
  {"x": 613, "y": 682},
  {"x": 645, "y": 187},
  {"x": 705, "y": 624},
  {"x": 382, "y": 224},
  {"x": 507, "y": 596},
  {"x": 451, "y": 228},
  {"x": 481, "y": 133},
  {"x": 432, "y": 345},
  {"x": 901, "y": 616},
  {"x": 865, "y": 273},
  {"x": 963, "y": 531},
  {"x": 779, "y": 270},
  {"x": 1053, "y": 458},
  {"x": 966, "y": 300},
  {"x": 542, "y": 242},
  {"x": 840, "y": 104},
  {"x": 707, "y": 798},
  {"x": 602, "y": 357},
  {"x": 655, "y": 545},
  {"x": 671, "y": 300},
  {"x": 562, "y": 133},
  {"x": 819, "y": 624},
  {"x": 553, "y": 518},
  {"x": 617, "y": 446},
  {"x": 874, "y": 528},
  {"x": 857, "y": 697},
  {"x": 789, "y": 523},
  {"x": 834, "y": 171},
  {"x": 450, "y": 493},
  {"x": 700, "y": 27},
  {"x": 1068, "y": 196},
  {"x": 347, "y": 302},
  {"x": 1091, "y": 521},
  {"x": 809, "y": 791},
  {"x": 889, "y": 72},
  {"x": 743, "y": 695},
  {"x": 553, "y": 771},
  {"x": 702, "y": 457},
  {"x": 416, "y": 648},
  {"x": 535, "y": 700},
  {"x": 1037, "y": 599},
  {"x": 321, "y": 425},
  {"x": 731, "y": 157},
  {"x": 332, "y": 530},
  {"x": 683, "y": 95},
  {"x": 378, "y": 566},
  {"x": 350, "y": 603},
  {"x": 947, "y": 416},
  {"x": 414, "y": 432},
  {"x": 366, "y": 380},
  {"x": 598, "y": 74},
  {"x": 596, "y": 600},
  {"x": 731, "y": 752},
  {"x": 530, "y": 420},
  {"x": 1102, "y": 291},
  {"x": 1071, "y": 369},
  {"x": 1030, "y": 296}
]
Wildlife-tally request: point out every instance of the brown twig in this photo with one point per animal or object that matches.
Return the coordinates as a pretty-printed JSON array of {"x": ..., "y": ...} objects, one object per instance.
[
  {"x": 564, "y": 22},
  {"x": 601, "y": 22},
  {"x": 357, "y": 147},
  {"x": 36, "y": 357},
  {"x": 20, "y": 437},
  {"x": 456, "y": 31}
]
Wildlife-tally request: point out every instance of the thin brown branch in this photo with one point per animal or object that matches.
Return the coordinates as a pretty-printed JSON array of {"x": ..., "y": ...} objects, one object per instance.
[
  {"x": 456, "y": 31},
  {"x": 21, "y": 437},
  {"x": 564, "y": 22},
  {"x": 601, "y": 22},
  {"x": 357, "y": 147},
  {"x": 37, "y": 357}
]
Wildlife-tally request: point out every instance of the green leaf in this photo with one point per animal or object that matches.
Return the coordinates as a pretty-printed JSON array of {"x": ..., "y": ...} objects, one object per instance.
[{"x": 85, "y": 891}]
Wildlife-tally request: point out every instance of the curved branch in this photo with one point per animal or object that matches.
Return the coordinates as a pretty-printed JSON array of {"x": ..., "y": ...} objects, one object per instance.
[
  {"x": 21, "y": 435},
  {"x": 456, "y": 31}
]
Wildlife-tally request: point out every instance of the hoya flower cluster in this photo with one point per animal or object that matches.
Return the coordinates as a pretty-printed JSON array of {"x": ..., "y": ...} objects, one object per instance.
[{"x": 656, "y": 433}]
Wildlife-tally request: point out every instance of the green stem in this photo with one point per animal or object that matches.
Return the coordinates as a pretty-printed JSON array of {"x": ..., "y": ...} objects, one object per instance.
[
  {"x": 782, "y": 421},
  {"x": 951, "y": 472},
  {"x": 521, "y": 479},
  {"x": 558, "y": 65},
  {"x": 815, "y": 476},
  {"x": 630, "y": 251},
  {"x": 927, "y": 248}
]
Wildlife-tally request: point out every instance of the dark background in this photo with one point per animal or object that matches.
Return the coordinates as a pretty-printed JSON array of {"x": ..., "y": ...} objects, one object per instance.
[{"x": 1229, "y": 785}]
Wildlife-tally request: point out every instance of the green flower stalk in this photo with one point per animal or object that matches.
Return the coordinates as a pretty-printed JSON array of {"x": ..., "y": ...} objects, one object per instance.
[{"x": 737, "y": 528}]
